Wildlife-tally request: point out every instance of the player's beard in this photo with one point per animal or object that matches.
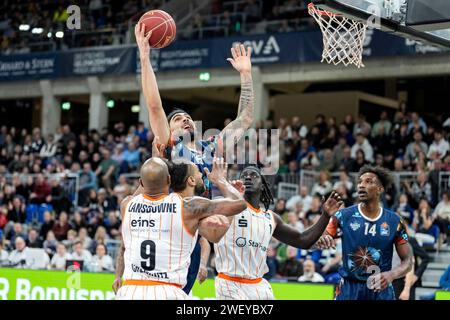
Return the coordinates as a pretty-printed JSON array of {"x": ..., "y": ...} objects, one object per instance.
[{"x": 199, "y": 188}]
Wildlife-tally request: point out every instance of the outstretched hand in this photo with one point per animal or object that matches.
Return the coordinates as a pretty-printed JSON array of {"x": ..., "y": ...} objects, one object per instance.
[
  {"x": 219, "y": 170},
  {"x": 157, "y": 148},
  {"x": 325, "y": 242},
  {"x": 241, "y": 60},
  {"x": 142, "y": 39},
  {"x": 239, "y": 186},
  {"x": 333, "y": 203}
]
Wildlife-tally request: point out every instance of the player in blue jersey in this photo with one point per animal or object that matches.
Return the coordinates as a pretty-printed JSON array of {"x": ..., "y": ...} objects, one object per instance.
[
  {"x": 369, "y": 234},
  {"x": 176, "y": 131}
]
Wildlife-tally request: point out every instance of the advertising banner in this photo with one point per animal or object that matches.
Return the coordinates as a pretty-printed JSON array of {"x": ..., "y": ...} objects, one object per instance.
[{"x": 21, "y": 284}]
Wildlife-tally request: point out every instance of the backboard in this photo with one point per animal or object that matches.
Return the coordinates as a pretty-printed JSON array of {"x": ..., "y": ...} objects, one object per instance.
[{"x": 423, "y": 20}]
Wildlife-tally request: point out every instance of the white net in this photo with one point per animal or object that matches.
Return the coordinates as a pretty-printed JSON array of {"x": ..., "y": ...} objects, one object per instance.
[{"x": 343, "y": 38}]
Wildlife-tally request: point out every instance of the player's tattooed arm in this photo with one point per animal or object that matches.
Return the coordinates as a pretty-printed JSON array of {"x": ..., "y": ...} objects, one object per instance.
[
  {"x": 156, "y": 114},
  {"x": 201, "y": 208},
  {"x": 235, "y": 130}
]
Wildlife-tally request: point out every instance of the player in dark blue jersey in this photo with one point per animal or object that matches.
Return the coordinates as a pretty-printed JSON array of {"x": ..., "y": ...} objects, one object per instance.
[{"x": 369, "y": 234}]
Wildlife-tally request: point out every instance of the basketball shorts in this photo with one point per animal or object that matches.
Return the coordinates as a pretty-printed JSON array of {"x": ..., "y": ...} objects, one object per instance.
[
  {"x": 242, "y": 290},
  {"x": 354, "y": 290},
  {"x": 151, "y": 292}
]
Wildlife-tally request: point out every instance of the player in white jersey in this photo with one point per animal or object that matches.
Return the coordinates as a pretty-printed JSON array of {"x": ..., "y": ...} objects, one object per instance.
[
  {"x": 159, "y": 231},
  {"x": 241, "y": 253}
]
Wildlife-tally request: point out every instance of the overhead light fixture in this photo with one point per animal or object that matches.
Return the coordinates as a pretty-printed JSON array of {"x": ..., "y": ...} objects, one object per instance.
[
  {"x": 136, "y": 108},
  {"x": 24, "y": 27},
  {"x": 59, "y": 34},
  {"x": 49, "y": 35},
  {"x": 204, "y": 76},
  {"x": 110, "y": 103},
  {"x": 37, "y": 30},
  {"x": 65, "y": 106}
]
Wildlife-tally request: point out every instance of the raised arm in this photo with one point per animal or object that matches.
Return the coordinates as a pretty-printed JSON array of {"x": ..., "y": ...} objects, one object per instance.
[
  {"x": 305, "y": 240},
  {"x": 156, "y": 114},
  {"x": 241, "y": 61}
]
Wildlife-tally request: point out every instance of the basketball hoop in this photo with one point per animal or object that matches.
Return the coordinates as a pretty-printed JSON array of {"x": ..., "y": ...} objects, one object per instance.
[{"x": 343, "y": 38}]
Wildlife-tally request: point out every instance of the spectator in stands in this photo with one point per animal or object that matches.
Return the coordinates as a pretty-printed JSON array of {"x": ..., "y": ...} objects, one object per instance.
[
  {"x": 420, "y": 188},
  {"x": 280, "y": 207},
  {"x": 440, "y": 147},
  {"x": 333, "y": 262},
  {"x": 323, "y": 186},
  {"x": 101, "y": 261},
  {"x": 442, "y": 212},
  {"x": 416, "y": 122},
  {"x": 314, "y": 212},
  {"x": 16, "y": 210},
  {"x": 415, "y": 147},
  {"x": 252, "y": 11},
  {"x": 423, "y": 220},
  {"x": 338, "y": 152},
  {"x": 61, "y": 227},
  {"x": 48, "y": 150},
  {"x": 84, "y": 238},
  {"x": 17, "y": 231},
  {"x": 291, "y": 267},
  {"x": 303, "y": 197},
  {"x": 105, "y": 203},
  {"x": 80, "y": 254},
  {"x": 360, "y": 160},
  {"x": 298, "y": 126},
  {"x": 107, "y": 170},
  {"x": 381, "y": 143},
  {"x": 310, "y": 162},
  {"x": 58, "y": 261},
  {"x": 327, "y": 163},
  {"x": 4, "y": 255},
  {"x": 309, "y": 273},
  {"x": 293, "y": 221},
  {"x": 18, "y": 257},
  {"x": 87, "y": 180},
  {"x": 50, "y": 243},
  {"x": 71, "y": 238},
  {"x": 293, "y": 167},
  {"x": 362, "y": 144},
  {"x": 100, "y": 237},
  {"x": 305, "y": 149},
  {"x": 404, "y": 210},
  {"x": 41, "y": 190},
  {"x": 33, "y": 240},
  {"x": 47, "y": 225},
  {"x": 362, "y": 127},
  {"x": 344, "y": 194},
  {"x": 112, "y": 225},
  {"x": 77, "y": 222},
  {"x": 382, "y": 125},
  {"x": 122, "y": 189},
  {"x": 344, "y": 180},
  {"x": 272, "y": 263}
]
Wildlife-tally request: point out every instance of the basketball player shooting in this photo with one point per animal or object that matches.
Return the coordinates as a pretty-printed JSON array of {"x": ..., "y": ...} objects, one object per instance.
[
  {"x": 369, "y": 234},
  {"x": 159, "y": 232},
  {"x": 171, "y": 128}
]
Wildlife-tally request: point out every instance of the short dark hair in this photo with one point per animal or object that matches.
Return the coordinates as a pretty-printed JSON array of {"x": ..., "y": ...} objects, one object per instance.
[
  {"x": 179, "y": 172},
  {"x": 175, "y": 112},
  {"x": 383, "y": 174},
  {"x": 77, "y": 242}
]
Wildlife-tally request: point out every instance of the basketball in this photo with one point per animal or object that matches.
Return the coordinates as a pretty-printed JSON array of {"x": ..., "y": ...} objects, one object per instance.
[{"x": 163, "y": 28}]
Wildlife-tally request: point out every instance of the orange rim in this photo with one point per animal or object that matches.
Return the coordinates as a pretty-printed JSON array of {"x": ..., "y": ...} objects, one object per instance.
[{"x": 312, "y": 7}]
